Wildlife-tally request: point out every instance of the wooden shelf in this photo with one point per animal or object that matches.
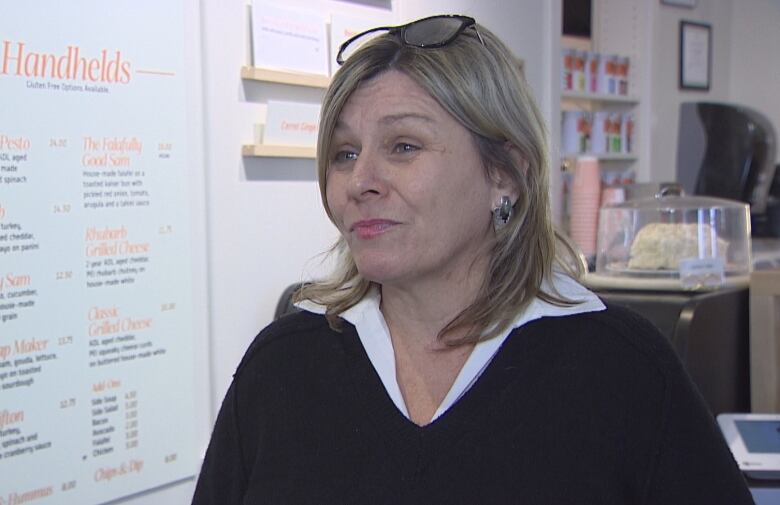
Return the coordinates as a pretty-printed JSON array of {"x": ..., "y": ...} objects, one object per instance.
[
  {"x": 581, "y": 43},
  {"x": 263, "y": 151},
  {"x": 281, "y": 77},
  {"x": 604, "y": 156},
  {"x": 599, "y": 97}
]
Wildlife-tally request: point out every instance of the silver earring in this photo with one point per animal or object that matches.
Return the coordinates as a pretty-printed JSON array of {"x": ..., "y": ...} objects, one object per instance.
[{"x": 503, "y": 213}]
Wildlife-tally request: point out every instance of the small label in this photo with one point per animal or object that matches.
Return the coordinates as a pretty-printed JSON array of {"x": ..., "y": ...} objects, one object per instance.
[
  {"x": 698, "y": 273},
  {"x": 291, "y": 124}
]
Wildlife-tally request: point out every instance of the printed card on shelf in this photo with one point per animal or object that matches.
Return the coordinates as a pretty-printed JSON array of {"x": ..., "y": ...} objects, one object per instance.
[
  {"x": 291, "y": 124},
  {"x": 343, "y": 26},
  {"x": 289, "y": 39}
]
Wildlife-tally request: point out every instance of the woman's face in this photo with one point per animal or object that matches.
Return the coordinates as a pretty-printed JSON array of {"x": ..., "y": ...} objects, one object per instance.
[{"x": 406, "y": 185}]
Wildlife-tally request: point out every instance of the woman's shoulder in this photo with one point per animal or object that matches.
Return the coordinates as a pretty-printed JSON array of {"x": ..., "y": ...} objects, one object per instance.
[
  {"x": 622, "y": 325},
  {"x": 611, "y": 361},
  {"x": 617, "y": 334},
  {"x": 291, "y": 336}
]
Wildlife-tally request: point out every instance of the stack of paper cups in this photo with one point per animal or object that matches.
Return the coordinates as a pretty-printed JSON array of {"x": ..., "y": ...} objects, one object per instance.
[{"x": 584, "y": 207}]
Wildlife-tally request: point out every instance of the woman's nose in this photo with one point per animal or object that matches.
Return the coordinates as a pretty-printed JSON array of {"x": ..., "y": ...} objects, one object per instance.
[{"x": 367, "y": 177}]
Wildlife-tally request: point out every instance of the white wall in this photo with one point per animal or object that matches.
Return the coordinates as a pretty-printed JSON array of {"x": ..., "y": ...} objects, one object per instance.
[
  {"x": 666, "y": 95},
  {"x": 265, "y": 219},
  {"x": 755, "y": 57}
]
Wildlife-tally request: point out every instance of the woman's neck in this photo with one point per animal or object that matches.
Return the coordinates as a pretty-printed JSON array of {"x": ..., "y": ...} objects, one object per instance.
[
  {"x": 420, "y": 309},
  {"x": 426, "y": 367}
]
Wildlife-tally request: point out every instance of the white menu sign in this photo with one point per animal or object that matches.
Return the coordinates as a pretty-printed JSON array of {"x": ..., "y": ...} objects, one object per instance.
[{"x": 96, "y": 352}]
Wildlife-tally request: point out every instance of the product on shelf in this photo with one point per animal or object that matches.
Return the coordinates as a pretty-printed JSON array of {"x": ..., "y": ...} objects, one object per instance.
[
  {"x": 578, "y": 73},
  {"x": 599, "y": 132},
  {"x": 567, "y": 68},
  {"x": 627, "y": 133},
  {"x": 615, "y": 144},
  {"x": 592, "y": 72},
  {"x": 622, "y": 75},
  {"x": 576, "y": 131}
]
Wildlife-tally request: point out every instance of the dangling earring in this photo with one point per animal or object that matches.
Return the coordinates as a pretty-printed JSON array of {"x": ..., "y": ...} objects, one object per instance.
[{"x": 503, "y": 213}]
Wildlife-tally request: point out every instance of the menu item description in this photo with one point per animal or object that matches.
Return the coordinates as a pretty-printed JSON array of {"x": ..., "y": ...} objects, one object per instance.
[
  {"x": 86, "y": 296},
  {"x": 111, "y": 177},
  {"x": 96, "y": 308}
]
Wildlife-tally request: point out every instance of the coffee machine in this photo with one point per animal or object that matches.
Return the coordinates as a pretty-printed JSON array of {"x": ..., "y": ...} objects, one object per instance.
[{"x": 728, "y": 151}]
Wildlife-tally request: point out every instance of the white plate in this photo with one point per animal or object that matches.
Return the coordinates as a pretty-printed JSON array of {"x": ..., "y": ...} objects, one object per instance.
[
  {"x": 651, "y": 283},
  {"x": 622, "y": 268}
]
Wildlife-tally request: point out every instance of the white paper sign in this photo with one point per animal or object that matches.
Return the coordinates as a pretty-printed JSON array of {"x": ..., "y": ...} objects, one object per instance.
[
  {"x": 696, "y": 55},
  {"x": 697, "y": 273},
  {"x": 291, "y": 124},
  {"x": 289, "y": 39}
]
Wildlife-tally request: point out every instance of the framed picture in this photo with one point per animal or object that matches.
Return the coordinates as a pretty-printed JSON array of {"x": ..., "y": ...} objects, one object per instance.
[
  {"x": 689, "y": 4},
  {"x": 695, "y": 55}
]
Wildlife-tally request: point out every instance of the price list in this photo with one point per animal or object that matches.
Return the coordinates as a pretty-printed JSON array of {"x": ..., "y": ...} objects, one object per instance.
[{"x": 96, "y": 356}]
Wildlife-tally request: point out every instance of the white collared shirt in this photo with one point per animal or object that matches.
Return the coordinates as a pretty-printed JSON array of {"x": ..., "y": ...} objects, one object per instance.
[{"x": 375, "y": 337}]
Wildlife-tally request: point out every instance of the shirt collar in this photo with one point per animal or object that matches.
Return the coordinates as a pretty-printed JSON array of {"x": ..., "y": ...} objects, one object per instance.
[{"x": 367, "y": 308}]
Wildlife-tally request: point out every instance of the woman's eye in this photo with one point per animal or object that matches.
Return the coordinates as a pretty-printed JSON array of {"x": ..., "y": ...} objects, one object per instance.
[
  {"x": 343, "y": 156},
  {"x": 403, "y": 147}
]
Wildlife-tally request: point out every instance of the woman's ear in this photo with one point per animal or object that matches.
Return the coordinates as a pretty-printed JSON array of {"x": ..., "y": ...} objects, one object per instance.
[{"x": 503, "y": 183}]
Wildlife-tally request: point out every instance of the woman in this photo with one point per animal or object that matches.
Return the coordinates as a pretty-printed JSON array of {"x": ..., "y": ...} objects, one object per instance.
[{"x": 450, "y": 359}]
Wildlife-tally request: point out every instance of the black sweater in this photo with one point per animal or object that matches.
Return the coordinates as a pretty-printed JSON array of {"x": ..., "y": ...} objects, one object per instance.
[{"x": 592, "y": 408}]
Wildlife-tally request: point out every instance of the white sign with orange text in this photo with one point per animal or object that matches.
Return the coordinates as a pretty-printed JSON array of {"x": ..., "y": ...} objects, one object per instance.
[
  {"x": 96, "y": 353},
  {"x": 291, "y": 124},
  {"x": 285, "y": 38}
]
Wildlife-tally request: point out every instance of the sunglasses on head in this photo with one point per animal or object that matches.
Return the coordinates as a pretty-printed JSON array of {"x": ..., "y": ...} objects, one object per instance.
[{"x": 428, "y": 33}]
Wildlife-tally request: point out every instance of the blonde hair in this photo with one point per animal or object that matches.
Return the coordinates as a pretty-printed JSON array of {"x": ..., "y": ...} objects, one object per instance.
[{"x": 480, "y": 83}]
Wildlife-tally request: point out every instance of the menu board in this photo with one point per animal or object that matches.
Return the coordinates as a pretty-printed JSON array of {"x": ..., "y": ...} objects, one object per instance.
[{"x": 96, "y": 350}]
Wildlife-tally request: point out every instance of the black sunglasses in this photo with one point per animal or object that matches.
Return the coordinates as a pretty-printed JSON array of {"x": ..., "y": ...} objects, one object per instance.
[{"x": 428, "y": 33}]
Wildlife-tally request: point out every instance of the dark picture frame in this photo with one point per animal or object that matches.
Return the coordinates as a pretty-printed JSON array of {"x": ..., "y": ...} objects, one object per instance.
[
  {"x": 688, "y": 4},
  {"x": 695, "y": 55}
]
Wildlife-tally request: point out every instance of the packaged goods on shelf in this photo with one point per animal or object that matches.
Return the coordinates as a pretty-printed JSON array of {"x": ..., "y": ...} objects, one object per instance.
[
  {"x": 622, "y": 75},
  {"x": 599, "y": 132},
  {"x": 576, "y": 131},
  {"x": 567, "y": 69},
  {"x": 608, "y": 79},
  {"x": 592, "y": 72},
  {"x": 580, "y": 59},
  {"x": 627, "y": 133},
  {"x": 615, "y": 144}
]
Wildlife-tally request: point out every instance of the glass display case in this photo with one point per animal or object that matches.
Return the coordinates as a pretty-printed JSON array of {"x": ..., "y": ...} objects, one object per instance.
[{"x": 673, "y": 242}]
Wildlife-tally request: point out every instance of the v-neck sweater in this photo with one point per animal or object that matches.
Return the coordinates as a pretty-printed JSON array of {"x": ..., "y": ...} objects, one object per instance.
[
  {"x": 588, "y": 408},
  {"x": 369, "y": 322}
]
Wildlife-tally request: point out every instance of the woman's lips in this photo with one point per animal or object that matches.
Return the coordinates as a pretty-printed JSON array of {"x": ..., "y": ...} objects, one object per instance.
[{"x": 371, "y": 228}]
